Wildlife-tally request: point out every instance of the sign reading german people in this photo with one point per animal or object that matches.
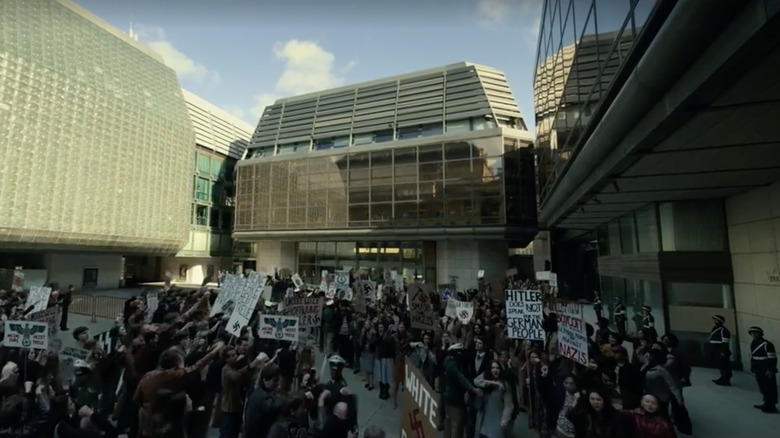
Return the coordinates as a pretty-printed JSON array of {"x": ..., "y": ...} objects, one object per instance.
[
  {"x": 307, "y": 309},
  {"x": 572, "y": 335},
  {"x": 524, "y": 315},
  {"x": 420, "y": 308},
  {"x": 419, "y": 405},
  {"x": 278, "y": 327}
]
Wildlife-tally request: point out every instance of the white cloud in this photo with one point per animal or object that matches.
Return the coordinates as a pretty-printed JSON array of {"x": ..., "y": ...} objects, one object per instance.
[
  {"x": 307, "y": 68},
  {"x": 186, "y": 67},
  {"x": 504, "y": 11}
]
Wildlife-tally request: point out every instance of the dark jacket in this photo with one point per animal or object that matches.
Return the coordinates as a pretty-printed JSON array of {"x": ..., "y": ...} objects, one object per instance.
[
  {"x": 261, "y": 407},
  {"x": 455, "y": 383}
]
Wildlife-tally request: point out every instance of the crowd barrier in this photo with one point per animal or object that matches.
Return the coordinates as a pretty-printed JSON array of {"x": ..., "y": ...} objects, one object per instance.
[{"x": 96, "y": 306}]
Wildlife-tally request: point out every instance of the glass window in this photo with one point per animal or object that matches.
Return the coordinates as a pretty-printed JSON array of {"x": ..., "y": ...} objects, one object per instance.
[
  {"x": 408, "y": 132},
  {"x": 646, "y": 229},
  {"x": 358, "y": 214},
  {"x": 697, "y": 294},
  {"x": 627, "y": 234},
  {"x": 381, "y": 212},
  {"x": 693, "y": 226},
  {"x": 202, "y": 188},
  {"x": 201, "y": 215},
  {"x": 381, "y": 193},
  {"x": 217, "y": 168},
  {"x": 431, "y": 129},
  {"x": 203, "y": 164},
  {"x": 362, "y": 139},
  {"x": 383, "y": 136},
  {"x": 430, "y": 153},
  {"x": 214, "y": 222},
  {"x": 613, "y": 230},
  {"x": 455, "y": 126},
  {"x": 227, "y": 220},
  {"x": 405, "y": 192},
  {"x": 340, "y": 142},
  {"x": 323, "y": 144},
  {"x": 406, "y": 214}
]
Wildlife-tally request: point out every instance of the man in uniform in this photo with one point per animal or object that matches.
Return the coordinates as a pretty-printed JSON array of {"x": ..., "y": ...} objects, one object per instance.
[
  {"x": 763, "y": 363},
  {"x": 720, "y": 339},
  {"x": 597, "y": 305},
  {"x": 620, "y": 316},
  {"x": 648, "y": 322},
  {"x": 340, "y": 392}
]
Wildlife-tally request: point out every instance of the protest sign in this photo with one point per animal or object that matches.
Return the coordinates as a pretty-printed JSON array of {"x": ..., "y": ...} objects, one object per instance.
[
  {"x": 324, "y": 280},
  {"x": 17, "y": 284},
  {"x": 279, "y": 328},
  {"x": 341, "y": 281},
  {"x": 250, "y": 290},
  {"x": 463, "y": 311},
  {"x": 298, "y": 281},
  {"x": 50, "y": 316},
  {"x": 524, "y": 315},
  {"x": 38, "y": 298},
  {"x": 152, "y": 302},
  {"x": 420, "y": 309},
  {"x": 572, "y": 336},
  {"x": 307, "y": 310},
  {"x": 419, "y": 405},
  {"x": 367, "y": 289},
  {"x": 106, "y": 341},
  {"x": 69, "y": 355},
  {"x": 26, "y": 334},
  {"x": 227, "y": 293}
]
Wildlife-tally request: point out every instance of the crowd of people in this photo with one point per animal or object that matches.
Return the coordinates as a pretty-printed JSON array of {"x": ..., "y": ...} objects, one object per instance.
[{"x": 177, "y": 372}]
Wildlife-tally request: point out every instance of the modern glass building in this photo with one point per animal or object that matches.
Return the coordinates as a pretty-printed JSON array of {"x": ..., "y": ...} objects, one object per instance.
[
  {"x": 658, "y": 165},
  {"x": 432, "y": 171},
  {"x": 220, "y": 141},
  {"x": 96, "y": 143}
]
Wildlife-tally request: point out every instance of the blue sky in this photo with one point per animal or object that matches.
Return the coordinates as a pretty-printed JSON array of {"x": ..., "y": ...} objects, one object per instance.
[{"x": 243, "y": 54}]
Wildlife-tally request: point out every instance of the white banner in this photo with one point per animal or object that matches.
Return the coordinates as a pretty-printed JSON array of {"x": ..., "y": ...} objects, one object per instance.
[
  {"x": 251, "y": 289},
  {"x": 26, "y": 334},
  {"x": 524, "y": 315},
  {"x": 39, "y": 298},
  {"x": 462, "y": 310},
  {"x": 152, "y": 303},
  {"x": 368, "y": 288},
  {"x": 572, "y": 336},
  {"x": 298, "y": 281},
  {"x": 227, "y": 292},
  {"x": 341, "y": 281},
  {"x": 277, "y": 327},
  {"x": 307, "y": 310}
]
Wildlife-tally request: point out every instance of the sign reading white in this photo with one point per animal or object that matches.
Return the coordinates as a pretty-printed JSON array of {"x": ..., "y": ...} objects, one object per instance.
[
  {"x": 26, "y": 334},
  {"x": 251, "y": 288},
  {"x": 572, "y": 336},
  {"x": 524, "y": 314},
  {"x": 38, "y": 298},
  {"x": 277, "y": 327}
]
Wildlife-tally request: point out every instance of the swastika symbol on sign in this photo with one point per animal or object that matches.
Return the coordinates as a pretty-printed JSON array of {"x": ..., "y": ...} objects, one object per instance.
[
  {"x": 464, "y": 314},
  {"x": 416, "y": 424}
]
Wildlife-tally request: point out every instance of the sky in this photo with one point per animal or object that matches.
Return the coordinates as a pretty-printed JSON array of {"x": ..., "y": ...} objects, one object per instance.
[{"x": 241, "y": 55}]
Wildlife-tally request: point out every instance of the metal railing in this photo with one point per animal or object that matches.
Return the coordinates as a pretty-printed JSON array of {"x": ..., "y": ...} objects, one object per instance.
[{"x": 96, "y": 306}]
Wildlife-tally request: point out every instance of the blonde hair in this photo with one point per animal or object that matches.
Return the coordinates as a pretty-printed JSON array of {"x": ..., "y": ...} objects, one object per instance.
[{"x": 8, "y": 369}]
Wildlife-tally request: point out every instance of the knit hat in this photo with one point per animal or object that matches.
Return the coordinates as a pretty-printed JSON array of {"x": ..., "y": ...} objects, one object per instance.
[
  {"x": 755, "y": 329},
  {"x": 719, "y": 318}
]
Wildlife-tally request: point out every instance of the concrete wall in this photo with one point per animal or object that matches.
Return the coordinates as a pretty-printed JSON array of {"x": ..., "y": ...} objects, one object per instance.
[
  {"x": 196, "y": 268},
  {"x": 68, "y": 268},
  {"x": 754, "y": 235},
  {"x": 278, "y": 254},
  {"x": 464, "y": 259}
]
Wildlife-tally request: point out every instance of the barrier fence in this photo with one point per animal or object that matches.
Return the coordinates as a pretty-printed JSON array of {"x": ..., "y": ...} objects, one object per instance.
[{"x": 97, "y": 307}]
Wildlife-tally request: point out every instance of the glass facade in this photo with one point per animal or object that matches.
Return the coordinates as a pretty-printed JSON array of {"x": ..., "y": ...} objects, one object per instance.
[
  {"x": 374, "y": 257},
  {"x": 95, "y": 135},
  {"x": 486, "y": 181},
  {"x": 213, "y": 192},
  {"x": 583, "y": 44},
  {"x": 634, "y": 294},
  {"x": 669, "y": 226}
]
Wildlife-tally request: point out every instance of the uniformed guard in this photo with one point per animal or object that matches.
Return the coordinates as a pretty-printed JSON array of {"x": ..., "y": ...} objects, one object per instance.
[
  {"x": 720, "y": 340},
  {"x": 648, "y": 323},
  {"x": 339, "y": 391},
  {"x": 620, "y": 316},
  {"x": 763, "y": 363},
  {"x": 597, "y": 305}
]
